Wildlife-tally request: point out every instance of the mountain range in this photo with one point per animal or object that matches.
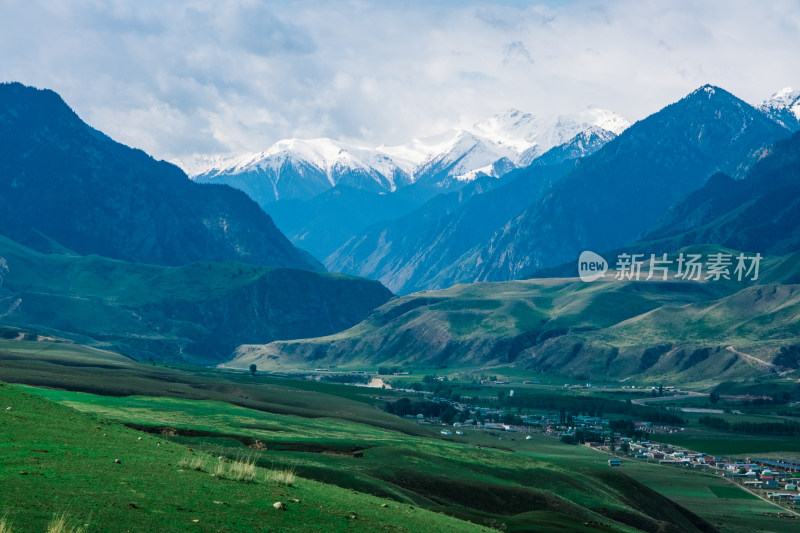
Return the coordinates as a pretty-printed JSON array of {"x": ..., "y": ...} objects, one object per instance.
[
  {"x": 296, "y": 169},
  {"x": 102, "y": 244},
  {"x": 546, "y": 214},
  {"x": 613, "y": 329},
  {"x": 485, "y": 203},
  {"x": 322, "y": 192}
]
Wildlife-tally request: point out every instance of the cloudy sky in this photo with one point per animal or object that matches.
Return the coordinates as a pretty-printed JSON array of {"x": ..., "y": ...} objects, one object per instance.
[{"x": 181, "y": 78}]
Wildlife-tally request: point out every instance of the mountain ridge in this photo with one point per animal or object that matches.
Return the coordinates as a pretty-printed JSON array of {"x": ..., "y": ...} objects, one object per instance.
[
  {"x": 63, "y": 179},
  {"x": 299, "y": 169},
  {"x": 624, "y": 187}
]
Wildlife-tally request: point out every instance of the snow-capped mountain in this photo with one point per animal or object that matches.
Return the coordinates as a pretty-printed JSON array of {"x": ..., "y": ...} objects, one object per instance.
[
  {"x": 302, "y": 169},
  {"x": 783, "y": 107},
  {"x": 584, "y": 143},
  {"x": 497, "y": 145}
]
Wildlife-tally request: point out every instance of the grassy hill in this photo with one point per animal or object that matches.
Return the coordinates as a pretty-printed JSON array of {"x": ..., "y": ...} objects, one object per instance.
[
  {"x": 69, "y": 457},
  {"x": 609, "y": 329},
  {"x": 197, "y": 313},
  {"x": 396, "y": 480}
]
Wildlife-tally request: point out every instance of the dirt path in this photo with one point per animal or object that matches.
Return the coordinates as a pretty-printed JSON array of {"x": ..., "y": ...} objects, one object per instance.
[
  {"x": 686, "y": 394},
  {"x": 752, "y": 359}
]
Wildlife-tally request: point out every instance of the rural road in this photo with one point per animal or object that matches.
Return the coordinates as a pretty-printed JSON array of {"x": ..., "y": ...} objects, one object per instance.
[
  {"x": 759, "y": 496},
  {"x": 654, "y": 399}
]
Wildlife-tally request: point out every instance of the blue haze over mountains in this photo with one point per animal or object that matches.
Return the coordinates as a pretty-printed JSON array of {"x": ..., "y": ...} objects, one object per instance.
[
  {"x": 597, "y": 190},
  {"x": 75, "y": 189}
]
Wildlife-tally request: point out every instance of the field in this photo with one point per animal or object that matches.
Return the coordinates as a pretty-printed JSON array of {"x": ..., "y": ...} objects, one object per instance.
[{"x": 327, "y": 445}]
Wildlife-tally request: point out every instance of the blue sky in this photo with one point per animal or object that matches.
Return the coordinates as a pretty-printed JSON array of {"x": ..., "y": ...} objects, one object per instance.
[{"x": 179, "y": 78}]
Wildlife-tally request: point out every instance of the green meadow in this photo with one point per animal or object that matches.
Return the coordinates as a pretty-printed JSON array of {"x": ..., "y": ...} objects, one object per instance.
[{"x": 213, "y": 450}]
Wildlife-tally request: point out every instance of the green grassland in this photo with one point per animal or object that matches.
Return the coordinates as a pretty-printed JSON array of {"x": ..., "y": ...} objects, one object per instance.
[
  {"x": 490, "y": 484},
  {"x": 724, "y": 505},
  {"x": 336, "y": 445},
  {"x": 406, "y": 469},
  {"x": 56, "y": 460},
  {"x": 605, "y": 331},
  {"x": 733, "y": 444},
  {"x": 196, "y": 313},
  {"x": 79, "y": 368},
  {"x": 350, "y": 458}
]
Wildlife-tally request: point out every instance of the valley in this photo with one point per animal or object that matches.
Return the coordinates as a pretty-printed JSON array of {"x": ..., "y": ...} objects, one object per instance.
[
  {"x": 326, "y": 335},
  {"x": 329, "y": 450}
]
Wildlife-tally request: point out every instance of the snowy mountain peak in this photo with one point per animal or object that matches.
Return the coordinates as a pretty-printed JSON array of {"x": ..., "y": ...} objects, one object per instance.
[
  {"x": 785, "y": 98},
  {"x": 783, "y": 107},
  {"x": 329, "y": 156},
  {"x": 300, "y": 168}
]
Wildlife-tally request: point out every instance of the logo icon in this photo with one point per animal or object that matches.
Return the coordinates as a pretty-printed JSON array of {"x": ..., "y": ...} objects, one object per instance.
[{"x": 591, "y": 266}]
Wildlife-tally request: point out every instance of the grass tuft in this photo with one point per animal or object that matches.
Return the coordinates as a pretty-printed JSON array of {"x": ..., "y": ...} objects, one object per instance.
[
  {"x": 5, "y": 525},
  {"x": 243, "y": 468},
  {"x": 282, "y": 476},
  {"x": 193, "y": 462},
  {"x": 219, "y": 468},
  {"x": 60, "y": 524}
]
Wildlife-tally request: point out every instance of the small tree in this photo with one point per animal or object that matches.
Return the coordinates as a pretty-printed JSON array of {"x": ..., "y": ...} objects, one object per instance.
[
  {"x": 713, "y": 397},
  {"x": 253, "y": 369}
]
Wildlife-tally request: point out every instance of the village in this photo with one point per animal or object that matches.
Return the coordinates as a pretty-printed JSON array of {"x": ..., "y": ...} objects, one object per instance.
[{"x": 774, "y": 480}]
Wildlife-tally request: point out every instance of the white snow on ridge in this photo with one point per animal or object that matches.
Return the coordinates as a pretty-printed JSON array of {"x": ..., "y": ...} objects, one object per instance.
[
  {"x": 786, "y": 98},
  {"x": 327, "y": 155},
  {"x": 410, "y": 155},
  {"x": 513, "y": 134},
  {"x": 466, "y": 153}
]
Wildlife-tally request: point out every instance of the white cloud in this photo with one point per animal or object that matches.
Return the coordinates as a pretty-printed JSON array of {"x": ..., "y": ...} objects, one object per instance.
[{"x": 179, "y": 78}]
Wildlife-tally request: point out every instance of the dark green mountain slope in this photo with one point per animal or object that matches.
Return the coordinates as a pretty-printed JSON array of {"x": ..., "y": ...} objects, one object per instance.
[
  {"x": 760, "y": 213},
  {"x": 626, "y": 186},
  {"x": 62, "y": 179},
  {"x": 196, "y": 313}
]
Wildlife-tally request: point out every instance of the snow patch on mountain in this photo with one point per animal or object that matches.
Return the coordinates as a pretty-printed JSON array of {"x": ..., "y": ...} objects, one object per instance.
[{"x": 787, "y": 98}]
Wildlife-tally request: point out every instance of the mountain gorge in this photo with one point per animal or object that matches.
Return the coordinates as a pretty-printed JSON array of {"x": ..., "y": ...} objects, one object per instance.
[
  {"x": 321, "y": 192},
  {"x": 759, "y": 213},
  {"x": 422, "y": 250}
]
